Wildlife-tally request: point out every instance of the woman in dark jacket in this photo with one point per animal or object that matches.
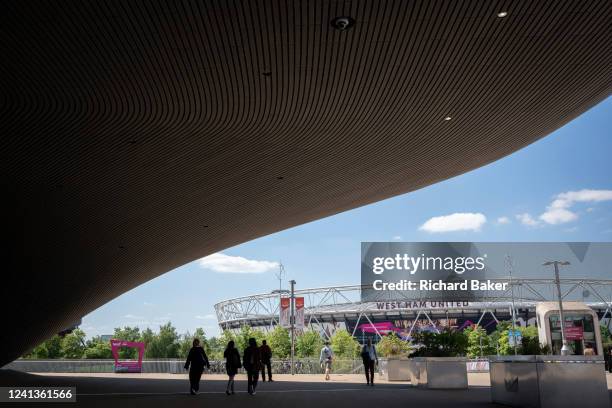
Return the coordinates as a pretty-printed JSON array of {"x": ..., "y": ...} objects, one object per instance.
[
  {"x": 197, "y": 359},
  {"x": 232, "y": 364},
  {"x": 252, "y": 364}
]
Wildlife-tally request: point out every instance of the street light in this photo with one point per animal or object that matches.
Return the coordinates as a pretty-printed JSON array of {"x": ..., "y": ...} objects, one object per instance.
[
  {"x": 565, "y": 350},
  {"x": 292, "y": 320}
]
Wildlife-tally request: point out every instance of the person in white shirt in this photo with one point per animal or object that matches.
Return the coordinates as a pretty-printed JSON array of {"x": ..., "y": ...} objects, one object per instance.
[
  {"x": 370, "y": 358},
  {"x": 327, "y": 355}
]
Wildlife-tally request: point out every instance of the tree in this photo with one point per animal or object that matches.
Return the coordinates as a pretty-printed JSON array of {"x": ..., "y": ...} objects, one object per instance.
[
  {"x": 96, "y": 348},
  {"x": 309, "y": 344},
  {"x": 148, "y": 338},
  {"x": 392, "y": 346},
  {"x": 279, "y": 342},
  {"x": 448, "y": 343},
  {"x": 606, "y": 337},
  {"x": 187, "y": 342},
  {"x": 246, "y": 332},
  {"x": 479, "y": 344},
  {"x": 217, "y": 347},
  {"x": 73, "y": 344},
  {"x": 344, "y": 345},
  {"x": 127, "y": 334},
  {"x": 530, "y": 343},
  {"x": 50, "y": 348},
  {"x": 166, "y": 343}
]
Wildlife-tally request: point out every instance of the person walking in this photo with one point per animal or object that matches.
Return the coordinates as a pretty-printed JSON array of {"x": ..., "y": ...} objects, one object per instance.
[
  {"x": 266, "y": 361},
  {"x": 251, "y": 359},
  {"x": 370, "y": 359},
  {"x": 196, "y": 361},
  {"x": 232, "y": 364},
  {"x": 326, "y": 358}
]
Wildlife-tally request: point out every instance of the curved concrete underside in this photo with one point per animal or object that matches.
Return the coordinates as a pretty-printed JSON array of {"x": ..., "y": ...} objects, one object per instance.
[{"x": 139, "y": 136}]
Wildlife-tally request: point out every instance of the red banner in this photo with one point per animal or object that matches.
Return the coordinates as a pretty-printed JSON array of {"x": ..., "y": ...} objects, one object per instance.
[
  {"x": 299, "y": 312},
  {"x": 285, "y": 312}
]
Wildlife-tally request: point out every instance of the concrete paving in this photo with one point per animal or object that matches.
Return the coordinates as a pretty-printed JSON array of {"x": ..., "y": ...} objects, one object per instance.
[{"x": 301, "y": 391}]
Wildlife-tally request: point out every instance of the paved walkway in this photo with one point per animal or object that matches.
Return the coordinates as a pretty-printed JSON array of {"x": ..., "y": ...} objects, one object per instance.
[
  {"x": 475, "y": 379},
  {"x": 300, "y": 391}
]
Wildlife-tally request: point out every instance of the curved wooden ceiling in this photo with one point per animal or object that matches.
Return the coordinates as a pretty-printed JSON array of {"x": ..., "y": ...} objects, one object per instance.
[{"x": 138, "y": 136}]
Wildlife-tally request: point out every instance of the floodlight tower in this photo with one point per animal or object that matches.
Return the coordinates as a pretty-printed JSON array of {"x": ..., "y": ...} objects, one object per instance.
[
  {"x": 509, "y": 261},
  {"x": 565, "y": 350}
]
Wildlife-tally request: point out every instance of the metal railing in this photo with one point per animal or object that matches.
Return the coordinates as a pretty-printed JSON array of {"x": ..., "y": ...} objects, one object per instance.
[{"x": 174, "y": 366}]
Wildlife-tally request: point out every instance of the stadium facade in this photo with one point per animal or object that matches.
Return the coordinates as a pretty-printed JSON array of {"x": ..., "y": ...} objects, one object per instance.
[{"x": 340, "y": 307}]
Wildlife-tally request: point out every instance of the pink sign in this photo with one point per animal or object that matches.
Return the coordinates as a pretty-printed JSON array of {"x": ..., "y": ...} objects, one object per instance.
[
  {"x": 384, "y": 327},
  {"x": 574, "y": 333},
  {"x": 129, "y": 366}
]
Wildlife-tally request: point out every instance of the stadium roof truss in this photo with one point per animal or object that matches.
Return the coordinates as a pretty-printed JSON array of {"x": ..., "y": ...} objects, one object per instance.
[{"x": 339, "y": 302}]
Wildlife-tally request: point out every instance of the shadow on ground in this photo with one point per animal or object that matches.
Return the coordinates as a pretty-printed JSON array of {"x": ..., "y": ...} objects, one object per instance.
[{"x": 151, "y": 393}]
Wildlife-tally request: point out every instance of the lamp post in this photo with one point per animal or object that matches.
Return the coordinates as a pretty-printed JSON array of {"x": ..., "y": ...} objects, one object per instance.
[
  {"x": 514, "y": 336},
  {"x": 279, "y": 276},
  {"x": 292, "y": 320},
  {"x": 565, "y": 350}
]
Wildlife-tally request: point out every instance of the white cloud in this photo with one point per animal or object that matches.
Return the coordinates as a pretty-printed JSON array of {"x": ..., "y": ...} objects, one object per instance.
[
  {"x": 558, "y": 216},
  {"x": 131, "y": 316},
  {"x": 527, "y": 219},
  {"x": 206, "y": 317},
  {"x": 397, "y": 237},
  {"x": 147, "y": 304},
  {"x": 235, "y": 264},
  {"x": 503, "y": 220},
  {"x": 558, "y": 212},
  {"x": 455, "y": 222}
]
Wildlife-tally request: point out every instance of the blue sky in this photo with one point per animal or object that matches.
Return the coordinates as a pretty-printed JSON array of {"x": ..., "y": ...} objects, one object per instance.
[{"x": 557, "y": 189}]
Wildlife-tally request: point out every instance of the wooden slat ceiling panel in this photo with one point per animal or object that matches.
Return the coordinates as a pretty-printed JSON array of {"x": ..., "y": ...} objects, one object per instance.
[{"x": 138, "y": 136}]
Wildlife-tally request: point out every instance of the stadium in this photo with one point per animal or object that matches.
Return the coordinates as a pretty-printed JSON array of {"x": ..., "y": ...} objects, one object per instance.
[{"x": 328, "y": 309}]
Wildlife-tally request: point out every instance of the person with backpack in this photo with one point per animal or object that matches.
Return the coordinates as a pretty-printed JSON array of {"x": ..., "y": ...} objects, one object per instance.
[
  {"x": 252, "y": 364},
  {"x": 196, "y": 361},
  {"x": 266, "y": 361},
  {"x": 232, "y": 364},
  {"x": 370, "y": 358},
  {"x": 326, "y": 357}
]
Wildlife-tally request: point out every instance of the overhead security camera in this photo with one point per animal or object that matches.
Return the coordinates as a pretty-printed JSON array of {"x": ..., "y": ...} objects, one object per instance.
[{"x": 342, "y": 23}]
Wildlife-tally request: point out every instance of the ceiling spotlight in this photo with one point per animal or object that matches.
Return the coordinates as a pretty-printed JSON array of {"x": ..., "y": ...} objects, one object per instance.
[
  {"x": 502, "y": 14},
  {"x": 342, "y": 23},
  {"x": 447, "y": 118}
]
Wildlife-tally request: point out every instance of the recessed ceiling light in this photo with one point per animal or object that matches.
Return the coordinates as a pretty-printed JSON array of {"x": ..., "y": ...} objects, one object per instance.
[
  {"x": 502, "y": 14},
  {"x": 342, "y": 23},
  {"x": 447, "y": 118}
]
